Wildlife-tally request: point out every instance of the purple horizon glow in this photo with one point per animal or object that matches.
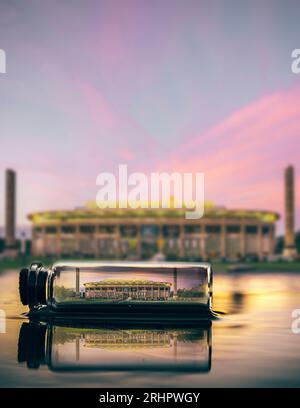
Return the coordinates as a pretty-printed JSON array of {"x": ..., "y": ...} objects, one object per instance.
[{"x": 163, "y": 85}]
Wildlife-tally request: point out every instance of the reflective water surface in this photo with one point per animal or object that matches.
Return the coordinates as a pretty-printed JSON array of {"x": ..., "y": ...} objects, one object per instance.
[
  {"x": 67, "y": 348},
  {"x": 251, "y": 345}
]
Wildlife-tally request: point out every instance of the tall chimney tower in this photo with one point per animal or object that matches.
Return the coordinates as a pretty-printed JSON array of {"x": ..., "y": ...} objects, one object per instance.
[
  {"x": 10, "y": 209},
  {"x": 289, "y": 239}
]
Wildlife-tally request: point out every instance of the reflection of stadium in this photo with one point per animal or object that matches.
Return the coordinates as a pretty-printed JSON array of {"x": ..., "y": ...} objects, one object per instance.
[
  {"x": 128, "y": 289},
  {"x": 142, "y": 233},
  {"x": 128, "y": 339}
]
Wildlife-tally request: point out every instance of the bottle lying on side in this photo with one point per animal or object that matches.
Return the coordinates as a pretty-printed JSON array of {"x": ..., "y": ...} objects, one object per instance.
[{"x": 118, "y": 290}]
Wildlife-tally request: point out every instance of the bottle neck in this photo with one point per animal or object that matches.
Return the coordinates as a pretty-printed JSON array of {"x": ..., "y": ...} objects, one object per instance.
[{"x": 33, "y": 285}]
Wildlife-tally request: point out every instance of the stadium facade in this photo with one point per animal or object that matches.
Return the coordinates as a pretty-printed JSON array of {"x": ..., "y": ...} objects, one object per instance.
[
  {"x": 123, "y": 289},
  {"x": 143, "y": 233}
]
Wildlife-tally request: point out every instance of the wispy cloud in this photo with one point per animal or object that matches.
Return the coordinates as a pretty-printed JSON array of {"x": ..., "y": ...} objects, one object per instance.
[
  {"x": 243, "y": 157},
  {"x": 157, "y": 85}
]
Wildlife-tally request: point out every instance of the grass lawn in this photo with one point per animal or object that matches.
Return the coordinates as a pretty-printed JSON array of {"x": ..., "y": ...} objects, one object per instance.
[
  {"x": 127, "y": 302},
  {"x": 278, "y": 266}
]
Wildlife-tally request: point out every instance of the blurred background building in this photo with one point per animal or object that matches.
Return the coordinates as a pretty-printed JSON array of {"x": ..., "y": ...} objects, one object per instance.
[
  {"x": 140, "y": 234},
  {"x": 11, "y": 245},
  {"x": 91, "y": 232},
  {"x": 10, "y": 213},
  {"x": 289, "y": 241}
]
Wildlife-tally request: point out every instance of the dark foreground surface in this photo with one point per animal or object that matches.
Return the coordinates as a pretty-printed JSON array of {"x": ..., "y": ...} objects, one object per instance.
[{"x": 253, "y": 345}]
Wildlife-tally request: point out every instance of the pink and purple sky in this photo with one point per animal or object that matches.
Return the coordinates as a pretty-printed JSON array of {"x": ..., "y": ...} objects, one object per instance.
[{"x": 175, "y": 85}]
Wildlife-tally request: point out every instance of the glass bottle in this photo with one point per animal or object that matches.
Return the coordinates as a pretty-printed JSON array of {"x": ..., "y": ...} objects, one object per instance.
[{"x": 117, "y": 288}]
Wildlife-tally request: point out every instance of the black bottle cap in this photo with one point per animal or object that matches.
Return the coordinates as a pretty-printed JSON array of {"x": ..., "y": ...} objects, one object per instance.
[
  {"x": 32, "y": 285},
  {"x": 23, "y": 285}
]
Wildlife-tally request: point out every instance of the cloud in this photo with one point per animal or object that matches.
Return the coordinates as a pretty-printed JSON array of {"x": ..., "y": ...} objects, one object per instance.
[{"x": 243, "y": 156}]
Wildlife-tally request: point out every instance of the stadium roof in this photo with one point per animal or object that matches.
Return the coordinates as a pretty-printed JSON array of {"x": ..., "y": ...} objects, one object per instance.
[
  {"x": 125, "y": 282},
  {"x": 90, "y": 214}
]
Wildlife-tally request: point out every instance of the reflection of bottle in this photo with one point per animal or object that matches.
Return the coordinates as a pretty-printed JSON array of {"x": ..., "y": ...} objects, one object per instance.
[
  {"x": 72, "y": 348},
  {"x": 31, "y": 347},
  {"x": 127, "y": 287}
]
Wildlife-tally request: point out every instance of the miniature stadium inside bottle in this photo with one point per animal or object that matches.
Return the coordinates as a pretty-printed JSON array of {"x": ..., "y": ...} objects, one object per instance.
[{"x": 100, "y": 284}]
